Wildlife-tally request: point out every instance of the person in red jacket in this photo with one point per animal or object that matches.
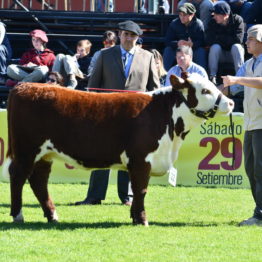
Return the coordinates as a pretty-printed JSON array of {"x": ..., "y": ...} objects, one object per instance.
[{"x": 35, "y": 63}]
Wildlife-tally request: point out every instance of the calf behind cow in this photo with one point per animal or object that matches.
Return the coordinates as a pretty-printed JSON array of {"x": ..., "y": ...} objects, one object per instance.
[{"x": 141, "y": 132}]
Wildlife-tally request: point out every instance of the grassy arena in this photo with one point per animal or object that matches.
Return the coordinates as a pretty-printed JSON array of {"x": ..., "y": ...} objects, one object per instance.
[{"x": 186, "y": 224}]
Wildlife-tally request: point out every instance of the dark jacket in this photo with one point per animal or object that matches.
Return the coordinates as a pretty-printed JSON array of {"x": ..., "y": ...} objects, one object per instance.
[
  {"x": 178, "y": 31},
  {"x": 45, "y": 58},
  {"x": 254, "y": 13},
  {"x": 226, "y": 35},
  {"x": 84, "y": 63}
]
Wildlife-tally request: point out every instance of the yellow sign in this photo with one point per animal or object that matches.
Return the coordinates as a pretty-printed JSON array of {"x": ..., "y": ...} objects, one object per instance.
[{"x": 205, "y": 158}]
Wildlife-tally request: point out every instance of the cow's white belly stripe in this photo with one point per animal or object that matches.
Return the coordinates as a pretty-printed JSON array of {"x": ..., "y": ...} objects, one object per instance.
[{"x": 48, "y": 152}]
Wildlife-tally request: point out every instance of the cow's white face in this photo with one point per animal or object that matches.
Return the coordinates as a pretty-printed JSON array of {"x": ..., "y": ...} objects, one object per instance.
[{"x": 203, "y": 93}]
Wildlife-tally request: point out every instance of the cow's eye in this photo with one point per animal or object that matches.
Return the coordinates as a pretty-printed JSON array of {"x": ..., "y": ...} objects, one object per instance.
[{"x": 205, "y": 91}]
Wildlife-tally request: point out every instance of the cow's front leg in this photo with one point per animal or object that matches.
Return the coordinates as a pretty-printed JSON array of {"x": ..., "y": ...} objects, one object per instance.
[
  {"x": 139, "y": 176},
  {"x": 39, "y": 184}
]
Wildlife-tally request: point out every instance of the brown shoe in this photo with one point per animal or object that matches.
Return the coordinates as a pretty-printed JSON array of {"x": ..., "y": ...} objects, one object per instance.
[{"x": 90, "y": 201}]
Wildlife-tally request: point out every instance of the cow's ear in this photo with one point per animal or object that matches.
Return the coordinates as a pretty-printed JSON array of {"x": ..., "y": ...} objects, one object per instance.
[{"x": 177, "y": 82}]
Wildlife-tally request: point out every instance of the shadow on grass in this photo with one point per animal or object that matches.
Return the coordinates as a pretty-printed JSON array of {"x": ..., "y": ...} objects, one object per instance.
[
  {"x": 36, "y": 205},
  {"x": 5, "y": 226},
  {"x": 193, "y": 224}
]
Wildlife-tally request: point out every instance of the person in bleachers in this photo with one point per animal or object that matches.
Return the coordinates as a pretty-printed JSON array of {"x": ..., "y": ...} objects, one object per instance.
[
  {"x": 55, "y": 78},
  {"x": 239, "y": 7},
  {"x": 109, "y": 40},
  {"x": 203, "y": 9},
  {"x": 185, "y": 30},
  {"x": 224, "y": 36},
  {"x": 159, "y": 66},
  {"x": 5, "y": 53},
  {"x": 74, "y": 68},
  {"x": 254, "y": 13},
  {"x": 35, "y": 63},
  {"x": 184, "y": 55}
]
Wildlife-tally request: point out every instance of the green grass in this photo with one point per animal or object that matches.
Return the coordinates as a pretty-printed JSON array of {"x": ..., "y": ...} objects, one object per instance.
[{"x": 186, "y": 224}]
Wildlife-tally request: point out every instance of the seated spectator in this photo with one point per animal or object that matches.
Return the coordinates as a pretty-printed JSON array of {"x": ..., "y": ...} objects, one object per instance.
[
  {"x": 185, "y": 30},
  {"x": 35, "y": 63},
  {"x": 204, "y": 9},
  {"x": 224, "y": 36},
  {"x": 184, "y": 55},
  {"x": 5, "y": 53},
  {"x": 109, "y": 40},
  {"x": 239, "y": 7},
  {"x": 72, "y": 67},
  {"x": 160, "y": 66},
  {"x": 253, "y": 15},
  {"x": 55, "y": 78}
]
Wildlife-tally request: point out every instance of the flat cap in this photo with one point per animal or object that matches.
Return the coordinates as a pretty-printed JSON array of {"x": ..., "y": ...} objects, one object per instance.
[
  {"x": 221, "y": 8},
  {"x": 187, "y": 8},
  {"x": 131, "y": 27},
  {"x": 256, "y": 32}
]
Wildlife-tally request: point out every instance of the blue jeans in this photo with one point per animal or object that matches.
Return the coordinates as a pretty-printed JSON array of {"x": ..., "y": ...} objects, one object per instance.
[{"x": 199, "y": 57}]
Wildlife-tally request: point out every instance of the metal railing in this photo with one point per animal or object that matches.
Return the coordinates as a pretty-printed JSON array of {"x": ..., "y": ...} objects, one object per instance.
[{"x": 85, "y": 5}]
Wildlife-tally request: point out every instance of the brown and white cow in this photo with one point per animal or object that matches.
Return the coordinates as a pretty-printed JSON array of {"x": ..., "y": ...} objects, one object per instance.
[{"x": 141, "y": 132}]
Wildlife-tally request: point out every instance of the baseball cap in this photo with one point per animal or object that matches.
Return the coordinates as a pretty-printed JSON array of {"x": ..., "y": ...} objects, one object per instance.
[{"x": 221, "y": 8}]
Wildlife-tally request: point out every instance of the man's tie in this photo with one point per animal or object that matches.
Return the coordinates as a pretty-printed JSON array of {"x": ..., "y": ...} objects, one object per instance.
[{"x": 125, "y": 58}]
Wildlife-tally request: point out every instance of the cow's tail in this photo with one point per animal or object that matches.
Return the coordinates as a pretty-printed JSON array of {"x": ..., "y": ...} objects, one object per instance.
[
  {"x": 8, "y": 160},
  {"x": 5, "y": 170}
]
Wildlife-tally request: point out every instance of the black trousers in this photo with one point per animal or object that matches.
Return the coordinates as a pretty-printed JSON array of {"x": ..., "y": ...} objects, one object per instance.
[
  {"x": 98, "y": 184},
  {"x": 253, "y": 166}
]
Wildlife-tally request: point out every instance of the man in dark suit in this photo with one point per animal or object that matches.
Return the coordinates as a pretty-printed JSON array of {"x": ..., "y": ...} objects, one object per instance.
[{"x": 124, "y": 67}]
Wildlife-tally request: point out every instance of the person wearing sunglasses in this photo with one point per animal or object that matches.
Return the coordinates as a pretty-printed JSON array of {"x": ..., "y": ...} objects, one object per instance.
[{"x": 55, "y": 78}]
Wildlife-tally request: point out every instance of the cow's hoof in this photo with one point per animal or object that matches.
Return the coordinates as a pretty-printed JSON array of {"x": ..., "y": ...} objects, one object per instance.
[
  {"x": 19, "y": 218},
  {"x": 53, "y": 218},
  {"x": 146, "y": 223},
  {"x": 140, "y": 222},
  {"x": 53, "y": 221}
]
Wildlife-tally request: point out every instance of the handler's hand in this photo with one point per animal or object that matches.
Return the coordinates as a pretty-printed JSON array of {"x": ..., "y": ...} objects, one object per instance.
[{"x": 229, "y": 80}]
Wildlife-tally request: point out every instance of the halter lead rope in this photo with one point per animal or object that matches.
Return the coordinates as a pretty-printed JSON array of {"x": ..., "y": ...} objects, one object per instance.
[{"x": 233, "y": 140}]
